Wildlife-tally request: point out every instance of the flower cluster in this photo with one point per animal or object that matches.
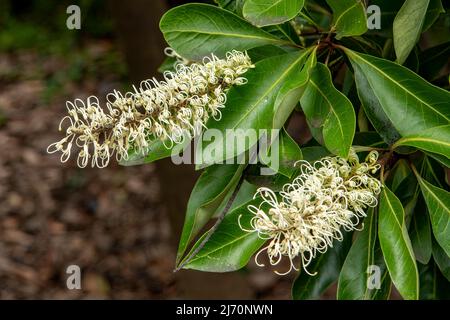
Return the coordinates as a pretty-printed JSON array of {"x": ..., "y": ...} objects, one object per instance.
[
  {"x": 168, "y": 110},
  {"x": 327, "y": 196}
]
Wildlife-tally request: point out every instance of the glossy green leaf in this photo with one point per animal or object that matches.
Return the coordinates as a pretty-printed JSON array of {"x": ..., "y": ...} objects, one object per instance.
[
  {"x": 396, "y": 245},
  {"x": 329, "y": 113},
  {"x": 156, "y": 151},
  {"x": 229, "y": 248},
  {"x": 244, "y": 195},
  {"x": 373, "y": 109},
  {"x": 206, "y": 197},
  {"x": 349, "y": 17},
  {"x": 436, "y": 140},
  {"x": 270, "y": 12},
  {"x": 420, "y": 232},
  {"x": 292, "y": 90},
  {"x": 252, "y": 106},
  {"x": 438, "y": 203},
  {"x": 326, "y": 269},
  {"x": 356, "y": 275},
  {"x": 197, "y": 30},
  {"x": 410, "y": 103},
  {"x": 442, "y": 260},
  {"x": 435, "y": 8},
  {"x": 287, "y": 153},
  {"x": 407, "y": 28}
]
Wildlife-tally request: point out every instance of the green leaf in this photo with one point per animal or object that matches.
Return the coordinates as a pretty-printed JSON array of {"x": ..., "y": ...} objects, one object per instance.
[
  {"x": 442, "y": 260},
  {"x": 420, "y": 232},
  {"x": 245, "y": 194},
  {"x": 373, "y": 109},
  {"x": 438, "y": 203},
  {"x": 349, "y": 17},
  {"x": 206, "y": 197},
  {"x": 327, "y": 266},
  {"x": 407, "y": 28},
  {"x": 292, "y": 90},
  {"x": 287, "y": 154},
  {"x": 229, "y": 248},
  {"x": 396, "y": 245},
  {"x": 156, "y": 151},
  {"x": 269, "y": 12},
  {"x": 435, "y": 8},
  {"x": 436, "y": 140},
  {"x": 252, "y": 106},
  {"x": 197, "y": 30},
  {"x": 329, "y": 113},
  {"x": 410, "y": 103},
  {"x": 356, "y": 275}
]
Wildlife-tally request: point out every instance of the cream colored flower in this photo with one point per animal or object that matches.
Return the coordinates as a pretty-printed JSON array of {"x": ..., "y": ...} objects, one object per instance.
[
  {"x": 325, "y": 198},
  {"x": 168, "y": 110}
]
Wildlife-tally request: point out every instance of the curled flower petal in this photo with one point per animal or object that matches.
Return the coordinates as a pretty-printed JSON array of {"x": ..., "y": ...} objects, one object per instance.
[
  {"x": 327, "y": 196},
  {"x": 170, "y": 110}
]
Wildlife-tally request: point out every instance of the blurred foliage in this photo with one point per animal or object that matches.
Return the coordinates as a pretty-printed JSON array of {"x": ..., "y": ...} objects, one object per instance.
[
  {"x": 40, "y": 27},
  {"x": 42, "y": 24}
]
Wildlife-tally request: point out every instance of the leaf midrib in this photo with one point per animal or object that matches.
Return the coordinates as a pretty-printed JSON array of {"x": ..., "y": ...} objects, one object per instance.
[
  {"x": 331, "y": 106},
  {"x": 237, "y": 35},
  {"x": 403, "y": 140},
  {"x": 266, "y": 93}
]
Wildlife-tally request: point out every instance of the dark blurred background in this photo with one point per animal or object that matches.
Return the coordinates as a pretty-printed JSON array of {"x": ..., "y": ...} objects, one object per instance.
[{"x": 120, "y": 224}]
